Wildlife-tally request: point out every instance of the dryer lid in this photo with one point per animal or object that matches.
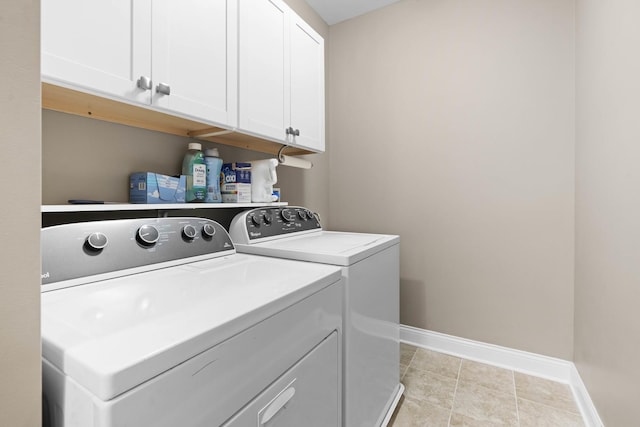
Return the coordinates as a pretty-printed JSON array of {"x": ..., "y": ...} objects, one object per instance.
[{"x": 113, "y": 335}]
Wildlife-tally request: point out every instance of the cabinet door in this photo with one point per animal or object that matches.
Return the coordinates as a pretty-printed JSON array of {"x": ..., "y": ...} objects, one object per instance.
[
  {"x": 307, "y": 85},
  {"x": 194, "y": 51},
  {"x": 100, "y": 46},
  {"x": 263, "y": 77}
]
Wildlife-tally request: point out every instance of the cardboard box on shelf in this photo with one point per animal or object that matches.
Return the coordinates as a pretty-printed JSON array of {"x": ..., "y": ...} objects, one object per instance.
[
  {"x": 150, "y": 187},
  {"x": 236, "y": 193}
]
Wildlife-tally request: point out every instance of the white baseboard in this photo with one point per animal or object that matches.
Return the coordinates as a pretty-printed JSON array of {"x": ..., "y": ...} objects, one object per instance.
[
  {"x": 529, "y": 363},
  {"x": 587, "y": 408}
]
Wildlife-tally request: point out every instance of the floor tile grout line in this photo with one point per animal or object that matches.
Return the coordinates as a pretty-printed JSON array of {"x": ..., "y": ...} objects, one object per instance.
[
  {"x": 408, "y": 364},
  {"x": 515, "y": 396},
  {"x": 455, "y": 390},
  {"x": 406, "y": 369},
  {"x": 412, "y": 357}
]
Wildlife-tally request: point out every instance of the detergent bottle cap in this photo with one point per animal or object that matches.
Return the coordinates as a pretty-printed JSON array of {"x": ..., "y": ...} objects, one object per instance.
[{"x": 211, "y": 152}]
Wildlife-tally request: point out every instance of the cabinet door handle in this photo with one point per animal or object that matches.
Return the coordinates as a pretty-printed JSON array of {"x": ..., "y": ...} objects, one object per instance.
[
  {"x": 144, "y": 83},
  {"x": 163, "y": 88},
  {"x": 292, "y": 131}
]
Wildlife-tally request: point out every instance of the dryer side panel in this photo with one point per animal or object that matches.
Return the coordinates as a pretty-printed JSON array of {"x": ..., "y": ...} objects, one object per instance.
[{"x": 372, "y": 337}]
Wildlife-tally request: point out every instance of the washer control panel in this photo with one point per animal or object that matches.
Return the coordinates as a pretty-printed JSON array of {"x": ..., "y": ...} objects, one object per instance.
[
  {"x": 87, "y": 249},
  {"x": 272, "y": 222}
]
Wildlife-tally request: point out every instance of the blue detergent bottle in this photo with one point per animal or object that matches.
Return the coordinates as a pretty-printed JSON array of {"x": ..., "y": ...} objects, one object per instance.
[
  {"x": 214, "y": 166},
  {"x": 195, "y": 169}
]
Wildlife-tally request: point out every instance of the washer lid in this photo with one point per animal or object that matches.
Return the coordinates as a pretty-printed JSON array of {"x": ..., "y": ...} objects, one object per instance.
[
  {"x": 113, "y": 335},
  {"x": 328, "y": 247}
]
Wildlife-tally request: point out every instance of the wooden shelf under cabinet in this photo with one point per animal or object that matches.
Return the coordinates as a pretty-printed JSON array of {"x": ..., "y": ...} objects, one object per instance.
[{"x": 59, "y": 98}]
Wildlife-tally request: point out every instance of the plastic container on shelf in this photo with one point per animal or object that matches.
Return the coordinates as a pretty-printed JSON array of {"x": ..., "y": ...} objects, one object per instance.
[
  {"x": 195, "y": 169},
  {"x": 214, "y": 166},
  {"x": 263, "y": 176}
]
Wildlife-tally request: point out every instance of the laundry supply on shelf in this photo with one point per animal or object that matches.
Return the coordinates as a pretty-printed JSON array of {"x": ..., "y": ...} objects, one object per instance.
[
  {"x": 150, "y": 187},
  {"x": 195, "y": 169},
  {"x": 263, "y": 176},
  {"x": 214, "y": 175},
  {"x": 236, "y": 187}
]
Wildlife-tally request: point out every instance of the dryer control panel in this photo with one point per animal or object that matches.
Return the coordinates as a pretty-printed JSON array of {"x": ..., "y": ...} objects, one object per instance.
[
  {"x": 88, "y": 251},
  {"x": 271, "y": 222}
]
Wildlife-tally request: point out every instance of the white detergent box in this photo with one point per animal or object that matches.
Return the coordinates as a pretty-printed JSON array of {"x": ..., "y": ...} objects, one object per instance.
[
  {"x": 236, "y": 193},
  {"x": 149, "y": 187}
]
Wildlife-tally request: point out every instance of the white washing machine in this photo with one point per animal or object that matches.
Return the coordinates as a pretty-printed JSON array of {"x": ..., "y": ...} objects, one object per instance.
[
  {"x": 158, "y": 322},
  {"x": 370, "y": 267}
]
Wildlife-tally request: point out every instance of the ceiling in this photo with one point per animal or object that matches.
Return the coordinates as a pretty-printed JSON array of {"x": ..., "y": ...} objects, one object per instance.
[{"x": 334, "y": 11}]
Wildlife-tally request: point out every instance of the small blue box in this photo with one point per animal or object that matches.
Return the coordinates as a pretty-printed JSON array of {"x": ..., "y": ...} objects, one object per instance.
[
  {"x": 149, "y": 187},
  {"x": 236, "y": 173}
]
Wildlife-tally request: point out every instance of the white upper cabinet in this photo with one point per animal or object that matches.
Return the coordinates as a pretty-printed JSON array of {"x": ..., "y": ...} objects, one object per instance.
[
  {"x": 248, "y": 65},
  {"x": 307, "y": 85},
  {"x": 177, "y": 56},
  {"x": 262, "y": 70},
  {"x": 281, "y": 83},
  {"x": 102, "y": 46},
  {"x": 194, "y": 57}
]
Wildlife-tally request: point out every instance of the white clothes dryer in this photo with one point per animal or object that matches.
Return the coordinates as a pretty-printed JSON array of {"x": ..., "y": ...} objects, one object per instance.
[
  {"x": 158, "y": 322},
  {"x": 370, "y": 267}
]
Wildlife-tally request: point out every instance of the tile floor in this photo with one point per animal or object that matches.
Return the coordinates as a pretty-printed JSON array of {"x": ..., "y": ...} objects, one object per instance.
[{"x": 447, "y": 391}]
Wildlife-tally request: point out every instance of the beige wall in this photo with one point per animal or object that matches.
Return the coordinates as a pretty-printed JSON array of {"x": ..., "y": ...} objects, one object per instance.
[
  {"x": 89, "y": 159},
  {"x": 607, "y": 323},
  {"x": 452, "y": 126},
  {"x": 20, "y": 214}
]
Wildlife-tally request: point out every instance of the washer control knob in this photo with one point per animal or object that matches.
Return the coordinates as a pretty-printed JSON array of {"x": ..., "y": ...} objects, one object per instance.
[
  {"x": 96, "y": 241},
  {"x": 148, "y": 235},
  {"x": 309, "y": 214},
  {"x": 255, "y": 221},
  {"x": 287, "y": 215},
  {"x": 267, "y": 218},
  {"x": 189, "y": 232},
  {"x": 302, "y": 215},
  {"x": 208, "y": 230}
]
